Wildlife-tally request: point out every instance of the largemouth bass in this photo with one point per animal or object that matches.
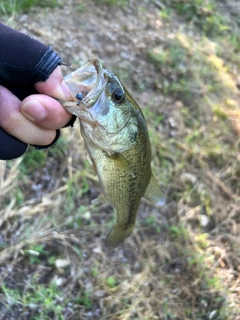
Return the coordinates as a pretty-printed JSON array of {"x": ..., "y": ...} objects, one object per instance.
[{"x": 116, "y": 137}]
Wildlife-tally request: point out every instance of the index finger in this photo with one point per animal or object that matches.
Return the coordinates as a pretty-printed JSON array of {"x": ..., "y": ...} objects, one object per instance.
[{"x": 55, "y": 86}]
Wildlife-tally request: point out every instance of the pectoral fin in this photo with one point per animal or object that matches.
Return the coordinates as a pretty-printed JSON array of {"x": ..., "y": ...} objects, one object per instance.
[
  {"x": 154, "y": 193},
  {"x": 121, "y": 162},
  {"x": 117, "y": 234}
]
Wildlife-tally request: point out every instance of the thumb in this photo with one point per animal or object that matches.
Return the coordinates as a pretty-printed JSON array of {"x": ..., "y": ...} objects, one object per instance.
[{"x": 54, "y": 86}]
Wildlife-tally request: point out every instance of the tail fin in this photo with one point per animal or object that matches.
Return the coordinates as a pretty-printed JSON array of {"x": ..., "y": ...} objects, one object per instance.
[{"x": 117, "y": 234}]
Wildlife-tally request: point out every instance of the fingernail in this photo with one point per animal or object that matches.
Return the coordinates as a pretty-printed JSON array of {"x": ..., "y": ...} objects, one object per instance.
[
  {"x": 62, "y": 92},
  {"x": 33, "y": 110},
  {"x": 66, "y": 90}
]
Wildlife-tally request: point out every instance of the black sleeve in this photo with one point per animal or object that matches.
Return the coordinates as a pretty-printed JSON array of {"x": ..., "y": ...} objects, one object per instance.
[
  {"x": 10, "y": 147},
  {"x": 23, "y": 62}
]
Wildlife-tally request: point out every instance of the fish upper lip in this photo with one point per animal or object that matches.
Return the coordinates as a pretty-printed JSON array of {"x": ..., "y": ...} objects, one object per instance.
[
  {"x": 103, "y": 76},
  {"x": 93, "y": 67},
  {"x": 95, "y": 92}
]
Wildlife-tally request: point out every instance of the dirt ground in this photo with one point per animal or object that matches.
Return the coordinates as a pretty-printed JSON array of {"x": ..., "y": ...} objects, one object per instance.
[{"x": 183, "y": 259}]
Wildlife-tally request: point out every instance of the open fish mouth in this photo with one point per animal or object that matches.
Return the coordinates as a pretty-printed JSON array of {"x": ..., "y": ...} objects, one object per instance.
[
  {"x": 91, "y": 87},
  {"x": 99, "y": 86},
  {"x": 87, "y": 83},
  {"x": 109, "y": 126}
]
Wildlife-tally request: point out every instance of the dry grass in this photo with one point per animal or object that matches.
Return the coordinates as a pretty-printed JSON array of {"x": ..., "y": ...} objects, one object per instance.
[{"x": 166, "y": 270}]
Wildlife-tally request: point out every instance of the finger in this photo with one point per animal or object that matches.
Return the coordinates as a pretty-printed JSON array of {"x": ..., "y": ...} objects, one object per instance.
[
  {"x": 45, "y": 112},
  {"x": 54, "y": 86},
  {"x": 13, "y": 121}
]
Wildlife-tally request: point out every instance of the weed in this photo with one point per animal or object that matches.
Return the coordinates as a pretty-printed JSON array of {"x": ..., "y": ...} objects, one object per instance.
[
  {"x": 81, "y": 8},
  {"x": 188, "y": 70},
  {"x": 219, "y": 112},
  {"x": 202, "y": 13},
  {"x": 59, "y": 149},
  {"x": 150, "y": 220},
  {"x": 40, "y": 301},
  {"x": 112, "y": 2},
  {"x": 77, "y": 251},
  {"x": 35, "y": 253},
  {"x": 111, "y": 282},
  {"x": 76, "y": 187},
  {"x": 32, "y": 160},
  {"x": 202, "y": 240},
  {"x": 172, "y": 60},
  {"x": 178, "y": 233},
  {"x": 12, "y": 7},
  {"x": 165, "y": 14},
  {"x": 84, "y": 299},
  {"x": 18, "y": 196},
  {"x": 94, "y": 271}
]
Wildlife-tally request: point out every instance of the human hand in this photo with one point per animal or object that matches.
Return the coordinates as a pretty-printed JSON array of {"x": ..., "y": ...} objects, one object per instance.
[{"x": 35, "y": 119}]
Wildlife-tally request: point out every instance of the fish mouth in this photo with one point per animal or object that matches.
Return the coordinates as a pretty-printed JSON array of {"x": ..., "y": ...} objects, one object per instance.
[
  {"x": 102, "y": 76},
  {"x": 87, "y": 83},
  {"x": 102, "y": 119},
  {"x": 91, "y": 86},
  {"x": 82, "y": 80}
]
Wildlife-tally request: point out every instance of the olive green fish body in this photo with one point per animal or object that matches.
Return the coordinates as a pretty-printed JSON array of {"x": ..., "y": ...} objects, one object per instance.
[
  {"x": 116, "y": 137},
  {"x": 123, "y": 178}
]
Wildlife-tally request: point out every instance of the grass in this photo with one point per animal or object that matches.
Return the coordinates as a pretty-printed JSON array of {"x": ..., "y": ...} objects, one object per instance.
[
  {"x": 182, "y": 262},
  {"x": 12, "y": 7},
  {"x": 36, "y": 297},
  {"x": 204, "y": 14},
  {"x": 112, "y": 2}
]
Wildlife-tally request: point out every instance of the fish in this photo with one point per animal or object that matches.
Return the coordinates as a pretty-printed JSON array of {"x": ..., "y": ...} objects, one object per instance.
[{"x": 117, "y": 141}]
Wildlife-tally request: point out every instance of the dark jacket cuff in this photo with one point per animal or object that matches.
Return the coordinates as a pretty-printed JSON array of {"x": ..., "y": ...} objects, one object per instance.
[
  {"x": 24, "y": 61},
  {"x": 10, "y": 147}
]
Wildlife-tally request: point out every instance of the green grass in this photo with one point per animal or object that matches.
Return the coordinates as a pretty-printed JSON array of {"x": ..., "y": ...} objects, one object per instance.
[
  {"x": 45, "y": 300},
  {"x": 204, "y": 14},
  {"x": 12, "y": 7},
  {"x": 112, "y": 2},
  {"x": 32, "y": 160},
  {"x": 111, "y": 282},
  {"x": 188, "y": 69}
]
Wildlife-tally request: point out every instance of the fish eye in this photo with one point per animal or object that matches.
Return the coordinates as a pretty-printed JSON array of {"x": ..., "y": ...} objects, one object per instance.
[
  {"x": 118, "y": 96},
  {"x": 79, "y": 96}
]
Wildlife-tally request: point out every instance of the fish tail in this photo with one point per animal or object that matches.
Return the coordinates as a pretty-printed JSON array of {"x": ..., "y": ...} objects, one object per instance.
[{"x": 117, "y": 234}]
